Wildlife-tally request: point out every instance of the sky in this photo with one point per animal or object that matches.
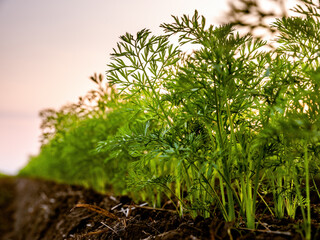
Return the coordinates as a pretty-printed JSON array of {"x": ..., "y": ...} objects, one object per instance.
[{"x": 49, "y": 49}]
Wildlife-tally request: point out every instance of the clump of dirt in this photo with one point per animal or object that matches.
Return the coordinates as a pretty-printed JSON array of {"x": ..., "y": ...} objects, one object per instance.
[{"x": 36, "y": 209}]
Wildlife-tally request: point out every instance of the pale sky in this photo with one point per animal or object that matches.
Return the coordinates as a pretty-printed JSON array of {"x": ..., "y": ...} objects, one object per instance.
[{"x": 48, "y": 50}]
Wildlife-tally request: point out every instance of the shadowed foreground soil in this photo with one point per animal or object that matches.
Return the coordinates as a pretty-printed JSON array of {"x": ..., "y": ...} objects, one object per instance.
[{"x": 37, "y": 209}]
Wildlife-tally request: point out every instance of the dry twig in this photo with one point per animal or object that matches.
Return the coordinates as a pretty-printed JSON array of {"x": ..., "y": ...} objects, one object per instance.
[
  {"x": 150, "y": 208},
  {"x": 98, "y": 210}
]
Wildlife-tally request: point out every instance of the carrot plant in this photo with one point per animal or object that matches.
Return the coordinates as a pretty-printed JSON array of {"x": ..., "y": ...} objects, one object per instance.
[{"x": 216, "y": 113}]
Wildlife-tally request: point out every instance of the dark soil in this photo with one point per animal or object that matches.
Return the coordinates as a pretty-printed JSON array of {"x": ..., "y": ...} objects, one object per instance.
[{"x": 37, "y": 209}]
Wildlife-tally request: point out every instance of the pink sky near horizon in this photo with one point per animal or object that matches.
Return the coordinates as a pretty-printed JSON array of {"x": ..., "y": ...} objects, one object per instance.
[{"x": 50, "y": 48}]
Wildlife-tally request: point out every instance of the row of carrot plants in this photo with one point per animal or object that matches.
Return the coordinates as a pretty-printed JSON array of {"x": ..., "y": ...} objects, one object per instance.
[{"x": 215, "y": 129}]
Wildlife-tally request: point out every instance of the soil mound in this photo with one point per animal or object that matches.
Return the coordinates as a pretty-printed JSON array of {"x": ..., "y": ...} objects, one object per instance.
[{"x": 36, "y": 210}]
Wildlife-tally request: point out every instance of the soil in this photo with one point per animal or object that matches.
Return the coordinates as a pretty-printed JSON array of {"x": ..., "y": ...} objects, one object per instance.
[{"x": 36, "y": 209}]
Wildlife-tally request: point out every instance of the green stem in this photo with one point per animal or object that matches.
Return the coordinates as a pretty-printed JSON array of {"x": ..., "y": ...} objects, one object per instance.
[{"x": 308, "y": 222}]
